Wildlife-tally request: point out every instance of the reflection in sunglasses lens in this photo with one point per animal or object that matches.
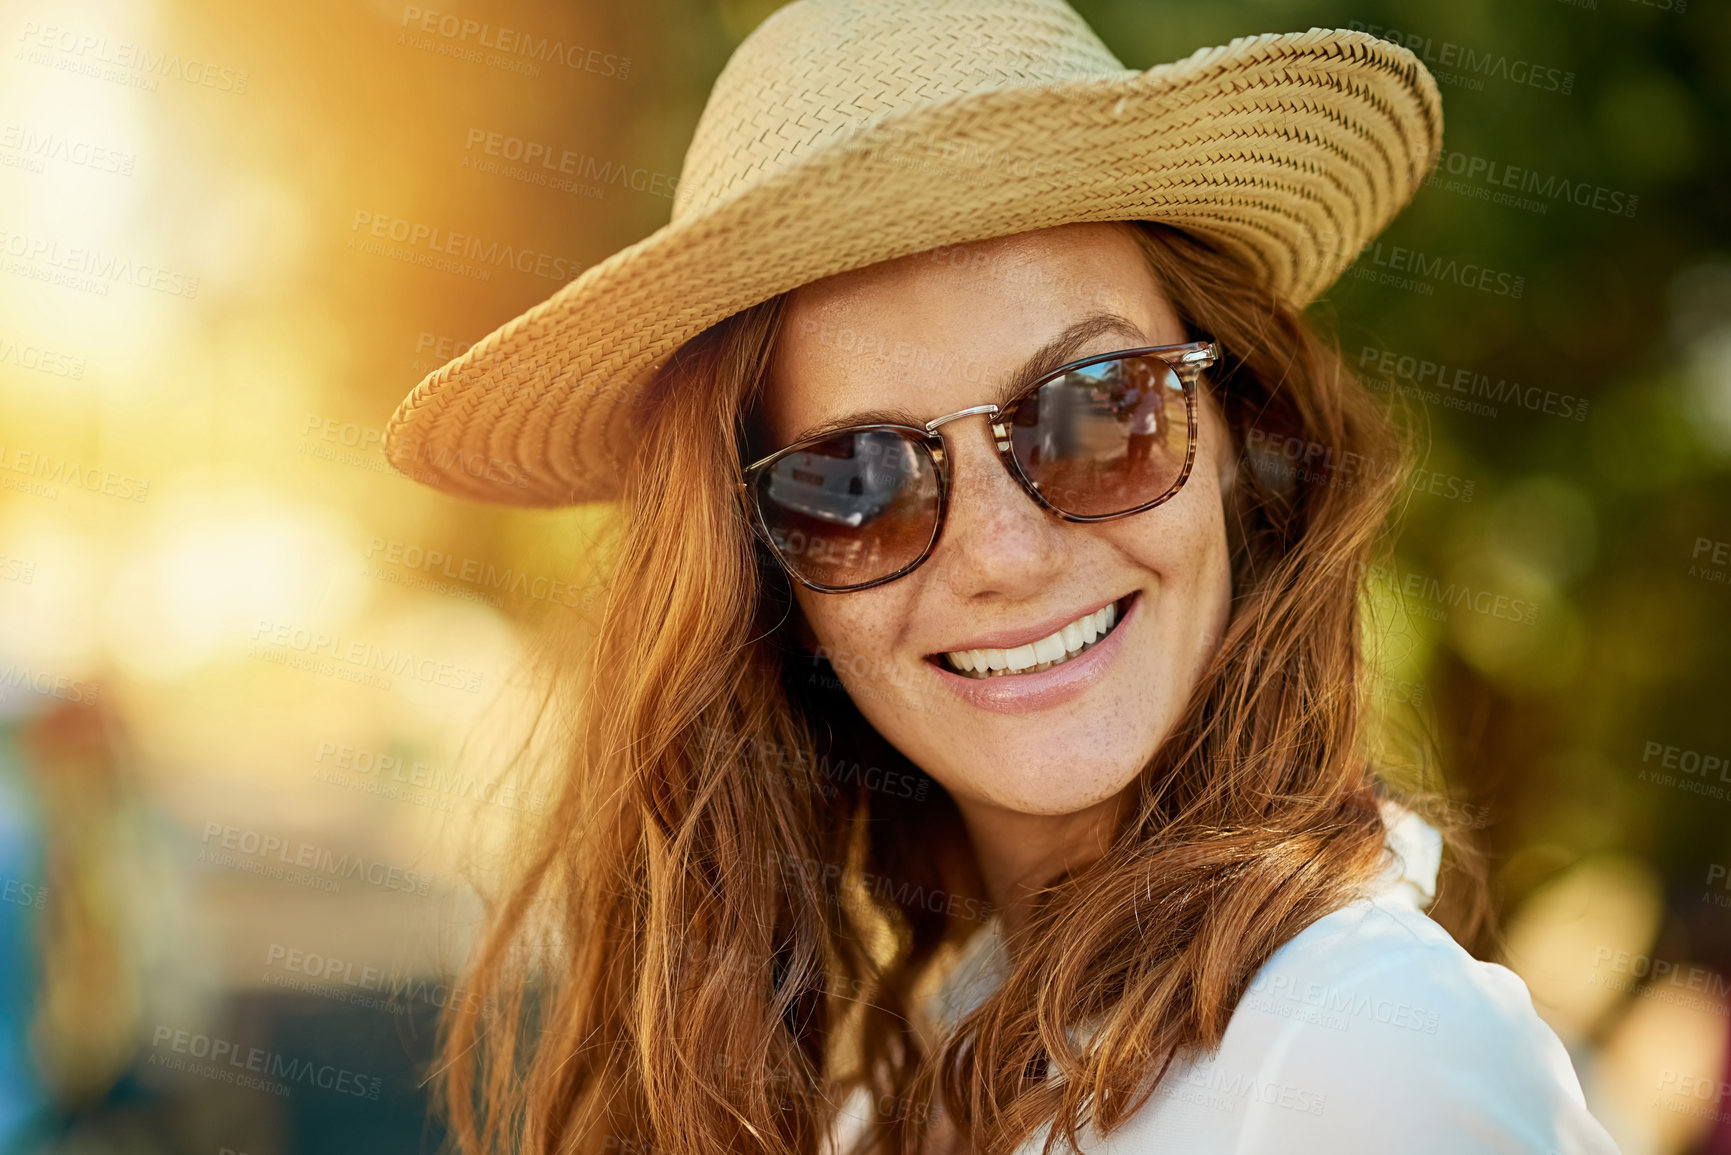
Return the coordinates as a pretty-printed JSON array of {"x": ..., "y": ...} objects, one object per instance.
[
  {"x": 851, "y": 508},
  {"x": 1104, "y": 438}
]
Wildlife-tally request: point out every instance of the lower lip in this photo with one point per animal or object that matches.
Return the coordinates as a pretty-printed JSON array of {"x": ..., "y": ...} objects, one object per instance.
[{"x": 1021, "y": 693}]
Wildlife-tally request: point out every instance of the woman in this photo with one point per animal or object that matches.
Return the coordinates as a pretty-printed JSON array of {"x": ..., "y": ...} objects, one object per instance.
[{"x": 944, "y": 777}]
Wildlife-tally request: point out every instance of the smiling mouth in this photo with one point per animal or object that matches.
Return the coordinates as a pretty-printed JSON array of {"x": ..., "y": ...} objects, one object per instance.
[{"x": 1072, "y": 641}]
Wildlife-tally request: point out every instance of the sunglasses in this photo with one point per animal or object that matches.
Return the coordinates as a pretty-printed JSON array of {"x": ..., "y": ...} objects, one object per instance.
[{"x": 1096, "y": 439}]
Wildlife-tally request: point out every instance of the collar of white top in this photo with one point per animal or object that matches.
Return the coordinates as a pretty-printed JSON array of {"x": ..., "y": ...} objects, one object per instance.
[{"x": 1415, "y": 849}]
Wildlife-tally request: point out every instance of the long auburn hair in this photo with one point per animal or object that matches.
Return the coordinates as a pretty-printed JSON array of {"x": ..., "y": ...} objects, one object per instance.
[{"x": 698, "y": 950}]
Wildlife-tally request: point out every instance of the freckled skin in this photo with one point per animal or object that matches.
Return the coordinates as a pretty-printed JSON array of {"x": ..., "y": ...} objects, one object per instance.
[{"x": 1036, "y": 789}]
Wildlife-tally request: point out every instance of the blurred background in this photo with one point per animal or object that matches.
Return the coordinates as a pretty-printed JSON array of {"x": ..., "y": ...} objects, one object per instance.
[{"x": 256, "y": 689}]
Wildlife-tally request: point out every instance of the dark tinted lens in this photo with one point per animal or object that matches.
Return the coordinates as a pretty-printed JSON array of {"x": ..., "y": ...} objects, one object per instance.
[
  {"x": 1104, "y": 438},
  {"x": 851, "y": 509}
]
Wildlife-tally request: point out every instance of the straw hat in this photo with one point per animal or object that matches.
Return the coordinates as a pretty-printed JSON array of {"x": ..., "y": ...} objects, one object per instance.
[{"x": 846, "y": 132}]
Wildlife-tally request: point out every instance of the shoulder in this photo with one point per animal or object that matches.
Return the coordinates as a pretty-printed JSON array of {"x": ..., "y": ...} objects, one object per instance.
[
  {"x": 1373, "y": 1030},
  {"x": 1380, "y": 980}
]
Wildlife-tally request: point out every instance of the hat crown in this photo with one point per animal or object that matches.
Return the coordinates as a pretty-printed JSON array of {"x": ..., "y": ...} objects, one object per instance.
[{"x": 816, "y": 71}]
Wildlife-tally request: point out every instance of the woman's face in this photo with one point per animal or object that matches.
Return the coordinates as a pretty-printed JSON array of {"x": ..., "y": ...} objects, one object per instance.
[{"x": 940, "y": 331}]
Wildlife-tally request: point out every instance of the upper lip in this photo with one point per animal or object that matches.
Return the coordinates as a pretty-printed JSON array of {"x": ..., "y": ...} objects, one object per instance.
[{"x": 1026, "y": 635}]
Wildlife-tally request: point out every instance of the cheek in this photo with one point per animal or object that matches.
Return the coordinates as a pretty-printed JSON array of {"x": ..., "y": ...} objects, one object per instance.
[
  {"x": 1183, "y": 541},
  {"x": 854, "y": 632},
  {"x": 1183, "y": 544}
]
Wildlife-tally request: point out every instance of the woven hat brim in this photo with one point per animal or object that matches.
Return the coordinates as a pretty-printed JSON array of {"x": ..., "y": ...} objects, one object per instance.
[{"x": 1292, "y": 150}]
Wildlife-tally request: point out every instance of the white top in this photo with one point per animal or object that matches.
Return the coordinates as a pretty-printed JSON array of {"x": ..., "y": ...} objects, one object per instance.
[
  {"x": 1144, "y": 419},
  {"x": 1369, "y": 1031}
]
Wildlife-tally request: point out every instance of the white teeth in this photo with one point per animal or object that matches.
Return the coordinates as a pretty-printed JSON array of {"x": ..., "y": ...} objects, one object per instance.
[{"x": 1057, "y": 647}]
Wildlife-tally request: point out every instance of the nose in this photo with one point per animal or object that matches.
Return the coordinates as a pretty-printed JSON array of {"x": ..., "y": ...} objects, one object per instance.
[{"x": 995, "y": 539}]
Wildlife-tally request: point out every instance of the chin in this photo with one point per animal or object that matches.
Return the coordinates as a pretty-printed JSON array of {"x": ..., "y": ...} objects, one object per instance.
[{"x": 1066, "y": 789}]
